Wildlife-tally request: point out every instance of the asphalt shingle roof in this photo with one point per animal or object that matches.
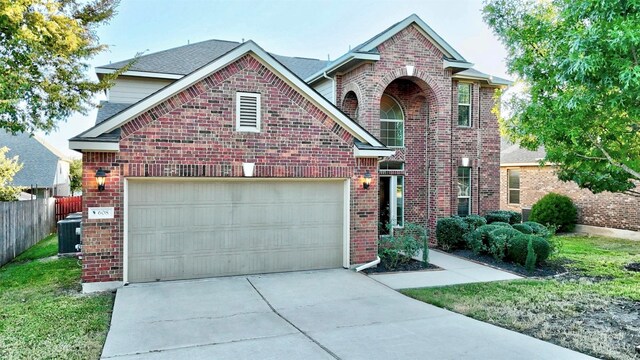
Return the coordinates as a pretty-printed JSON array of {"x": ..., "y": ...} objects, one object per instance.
[
  {"x": 39, "y": 163},
  {"x": 513, "y": 154},
  {"x": 185, "y": 59}
]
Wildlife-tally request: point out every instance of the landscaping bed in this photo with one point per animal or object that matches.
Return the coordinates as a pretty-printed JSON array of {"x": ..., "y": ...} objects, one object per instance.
[
  {"x": 405, "y": 265},
  {"x": 43, "y": 314},
  {"x": 551, "y": 267},
  {"x": 593, "y": 307}
]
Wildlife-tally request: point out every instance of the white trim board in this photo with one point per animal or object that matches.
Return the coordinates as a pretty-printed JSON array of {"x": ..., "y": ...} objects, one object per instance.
[
  {"x": 262, "y": 56},
  {"x": 155, "y": 75},
  {"x": 94, "y": 146}
]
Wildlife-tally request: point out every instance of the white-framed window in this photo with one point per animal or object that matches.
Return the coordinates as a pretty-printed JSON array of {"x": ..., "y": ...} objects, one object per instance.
[
  {"x": 392, "y": 165},
  {"x": 247, "y": 112},
  {"x": 464, "y": 104},
  {"x": 513, "y": 176},
  {"x": 391, "y": 122},
  {"x": 464, "y": 191}
]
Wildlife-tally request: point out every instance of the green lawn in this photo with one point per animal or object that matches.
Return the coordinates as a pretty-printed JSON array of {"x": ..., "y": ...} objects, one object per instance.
[
  {"x": 595, "y": 308},
  {"x": 43, "y": 315}
]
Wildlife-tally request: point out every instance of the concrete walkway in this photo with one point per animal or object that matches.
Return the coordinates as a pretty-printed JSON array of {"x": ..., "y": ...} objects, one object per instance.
[
  {"x": 455, "y": 271},
  {"x": 330, "y": 314}
]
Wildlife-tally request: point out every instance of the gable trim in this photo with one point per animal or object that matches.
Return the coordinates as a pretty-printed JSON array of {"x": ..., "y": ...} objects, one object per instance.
[
  {"x": 422, "y": 27},
  {"x": 161, "y": 95}
]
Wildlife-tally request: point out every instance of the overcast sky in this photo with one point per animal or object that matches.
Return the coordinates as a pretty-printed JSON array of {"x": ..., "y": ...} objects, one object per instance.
[{"x": 305, "y": 28}]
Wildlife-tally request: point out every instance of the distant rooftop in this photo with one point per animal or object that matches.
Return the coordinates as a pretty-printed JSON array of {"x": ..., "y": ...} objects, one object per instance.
[
  {"x": 513, "y": 154},
  {"x": 40, "y": 159}
]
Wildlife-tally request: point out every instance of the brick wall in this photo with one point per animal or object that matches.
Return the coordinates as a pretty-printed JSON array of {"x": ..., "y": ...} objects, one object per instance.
[
  {"x": 192, "y": 134},
  {"x": 604, "y": 209},
  {"x": 434, "y": 143}
]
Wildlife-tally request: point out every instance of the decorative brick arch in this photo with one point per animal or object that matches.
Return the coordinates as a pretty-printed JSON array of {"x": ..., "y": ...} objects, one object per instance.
[
  {"x": 420, "y": 77},
  {"x": 351, "y": 87}
]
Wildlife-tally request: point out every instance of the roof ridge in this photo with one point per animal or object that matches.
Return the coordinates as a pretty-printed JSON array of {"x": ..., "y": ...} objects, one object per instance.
[{"x": 170, "y": 49}]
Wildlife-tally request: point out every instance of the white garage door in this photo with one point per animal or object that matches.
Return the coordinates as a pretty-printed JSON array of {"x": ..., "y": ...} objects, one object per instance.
[{"x": 195, "y": 229}]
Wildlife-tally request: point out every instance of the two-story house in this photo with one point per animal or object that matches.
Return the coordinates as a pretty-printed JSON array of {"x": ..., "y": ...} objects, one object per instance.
[{"x": 219, "y": 158}]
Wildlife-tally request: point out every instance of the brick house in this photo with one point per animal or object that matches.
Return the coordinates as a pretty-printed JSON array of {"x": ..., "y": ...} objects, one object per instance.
[
  {"x": 224, "y": 159},
  {"x": 523, "y": 182}
]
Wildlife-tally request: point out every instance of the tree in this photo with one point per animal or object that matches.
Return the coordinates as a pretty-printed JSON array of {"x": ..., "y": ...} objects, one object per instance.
[
  {"x": 8, "y": 169},
  {"x": 578, "y": 61},
  {"x": 75, "y": 173},
  {"x": 43, "y": 48}
]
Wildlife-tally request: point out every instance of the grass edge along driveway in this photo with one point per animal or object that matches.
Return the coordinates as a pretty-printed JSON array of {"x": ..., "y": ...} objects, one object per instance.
[
  {"x": 594, "y": 308},
  {"x": 43, "y": 313}
]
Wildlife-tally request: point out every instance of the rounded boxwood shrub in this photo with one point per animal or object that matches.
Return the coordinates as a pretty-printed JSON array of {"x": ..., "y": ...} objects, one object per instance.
[
  {"x": 474, "y": 221},
  {"x": 518, "y": 248},
  {"x": 498, "y": 239},
  {"x": 478, "y": 240},
  {"x": 523, "y": 228},
  {"x": 500, "y": 223},
  {"x": 555, "y": 209},
  {"x": 538, "y": 229},
  {"x": 450, "y": 232},
  {"x": 508, "y": 216}
]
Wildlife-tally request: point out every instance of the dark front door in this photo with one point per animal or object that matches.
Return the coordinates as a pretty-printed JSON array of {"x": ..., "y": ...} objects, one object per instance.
[{"x": 384, "y": 210}]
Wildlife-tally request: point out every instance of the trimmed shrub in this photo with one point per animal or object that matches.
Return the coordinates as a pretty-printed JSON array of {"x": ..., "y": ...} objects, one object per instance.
[
  {"x": 500, "y": 223},
  {"x": 498, "y": 239},
  {"x": 555, "y": 209},
  {"x": 450, "y": 232},
  {"x": 530, "y": 264},
  {"x": 399, "y": 248},
  {"x": 508, "y": 216},
  {"x": 478, "y": 240},
  {"x": 538, "y": 229},
  {"x": 523, "y": 228},
  {"x": 518, "y": 248},
  {"x": 474, "y": 221}
]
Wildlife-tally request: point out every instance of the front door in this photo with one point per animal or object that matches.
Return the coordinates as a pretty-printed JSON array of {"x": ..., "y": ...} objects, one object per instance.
[{"x": 391, "y": 203}]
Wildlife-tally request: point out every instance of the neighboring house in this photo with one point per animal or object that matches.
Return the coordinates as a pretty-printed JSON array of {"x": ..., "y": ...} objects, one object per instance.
[
  {"x": 403, "y": 111},
  {"x": 45, "y": 170},
  {"x": 523, "y": 182}
]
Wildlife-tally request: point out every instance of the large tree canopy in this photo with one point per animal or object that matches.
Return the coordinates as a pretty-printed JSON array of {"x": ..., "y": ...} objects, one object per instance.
[
  {"x": 579, "y": 61},
  {"x": 44, "y": 45}
]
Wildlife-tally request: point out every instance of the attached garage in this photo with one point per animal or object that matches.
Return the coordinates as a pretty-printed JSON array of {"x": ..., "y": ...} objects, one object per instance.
[{"x": 187, "y": 229}]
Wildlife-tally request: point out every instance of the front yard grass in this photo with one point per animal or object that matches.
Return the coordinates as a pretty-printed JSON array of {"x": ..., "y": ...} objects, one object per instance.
[
  {"x": 594, "y": 308},
  {"x": 43, "y": 315}
]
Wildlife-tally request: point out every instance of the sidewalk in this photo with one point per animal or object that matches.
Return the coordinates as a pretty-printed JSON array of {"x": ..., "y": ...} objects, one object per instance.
[{"x": 455, "y": 271}]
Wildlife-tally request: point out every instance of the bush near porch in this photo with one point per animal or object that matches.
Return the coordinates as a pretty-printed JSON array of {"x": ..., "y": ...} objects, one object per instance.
[
  {"x": 43, "y": 315},
  {"x": 501, "y": 235}
]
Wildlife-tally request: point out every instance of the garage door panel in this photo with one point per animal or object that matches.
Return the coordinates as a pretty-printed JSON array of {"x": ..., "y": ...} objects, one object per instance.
[{"x": 192, "y": 229}]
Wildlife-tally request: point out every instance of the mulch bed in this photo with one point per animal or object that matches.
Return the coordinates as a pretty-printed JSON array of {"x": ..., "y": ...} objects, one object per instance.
[
  {"x": 549, "y": 268},
  {"x": 407, "y": 265}
]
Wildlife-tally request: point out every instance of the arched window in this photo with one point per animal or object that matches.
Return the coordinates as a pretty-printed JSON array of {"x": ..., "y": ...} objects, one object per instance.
[{"x": 391, "y": 122}]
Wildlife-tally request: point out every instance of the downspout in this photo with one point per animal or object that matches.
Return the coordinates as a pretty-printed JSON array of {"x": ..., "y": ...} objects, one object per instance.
[
  {"x": 333, "y": 81},
  {"x": 369, "y": 264}
]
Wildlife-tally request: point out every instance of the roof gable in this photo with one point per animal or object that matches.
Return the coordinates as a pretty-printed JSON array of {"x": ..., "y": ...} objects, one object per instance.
[
  {"x": 124, "y": 116},
  {"x": 439, "y": 42}
]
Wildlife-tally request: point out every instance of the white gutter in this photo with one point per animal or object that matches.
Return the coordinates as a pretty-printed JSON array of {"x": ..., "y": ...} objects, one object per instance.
[
  {"x": 155, "y": 75},
  {"x": 369, "y": 264},
  {"x": 363, "y": 153},
  {"x": 333, "y": 81},
  {"x": 341, "y": 61}
]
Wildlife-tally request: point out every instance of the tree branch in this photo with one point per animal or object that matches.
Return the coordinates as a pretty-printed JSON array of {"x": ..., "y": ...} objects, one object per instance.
[{"x": 614, "y": 162}]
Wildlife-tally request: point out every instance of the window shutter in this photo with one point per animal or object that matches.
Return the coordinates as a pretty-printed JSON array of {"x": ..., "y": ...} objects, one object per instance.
[{"x": 248, "y": 112}]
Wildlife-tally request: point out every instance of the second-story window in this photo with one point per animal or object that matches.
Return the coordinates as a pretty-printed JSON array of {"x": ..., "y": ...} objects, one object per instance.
[
  {"x": 464, "y": 104},
  {"x": 391, "y": 122}
]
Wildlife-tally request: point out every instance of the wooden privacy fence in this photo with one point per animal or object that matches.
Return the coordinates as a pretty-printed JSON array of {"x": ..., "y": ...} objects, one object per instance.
[
  {"x": 22, "y": 224},
  {"x": 67, "y": 205}
]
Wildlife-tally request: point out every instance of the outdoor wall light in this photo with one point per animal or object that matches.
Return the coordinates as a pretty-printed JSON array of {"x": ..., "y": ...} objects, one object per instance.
[
  {"x": 465, "y": 162},
  {"x": 367, "y": 180},
  {"x": 101, "y": 178}
]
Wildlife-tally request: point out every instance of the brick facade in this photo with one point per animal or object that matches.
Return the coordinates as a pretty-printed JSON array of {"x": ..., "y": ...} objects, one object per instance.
[
  {"x": 192, "y": 134},
  {"x": 434, "y": 143},
  {"x": 605, "y": 209}
]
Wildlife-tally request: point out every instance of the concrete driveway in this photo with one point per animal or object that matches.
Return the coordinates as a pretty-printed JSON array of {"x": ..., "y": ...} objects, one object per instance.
[{"x": 332, "y": 314}]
